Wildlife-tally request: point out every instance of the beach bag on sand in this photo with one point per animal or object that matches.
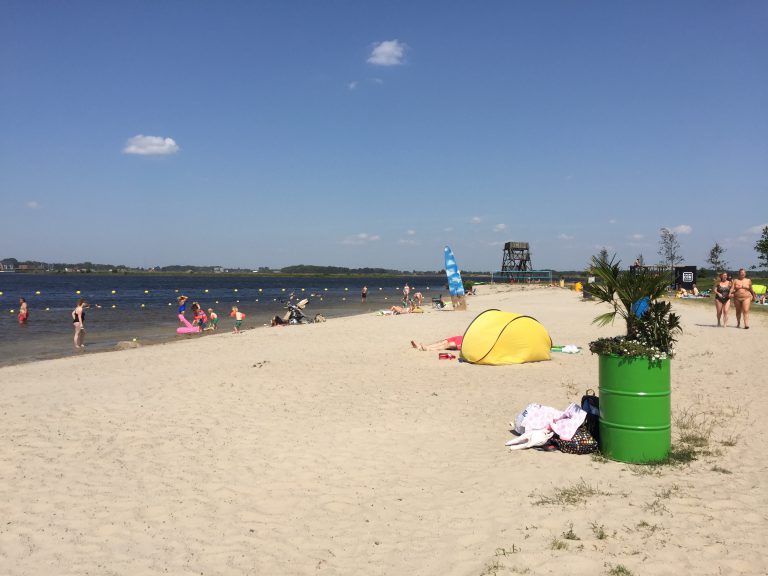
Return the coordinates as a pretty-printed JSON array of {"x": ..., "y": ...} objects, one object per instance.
[
  {"x": 582, "y": 442},
  {"x": 591, "y": 405}
]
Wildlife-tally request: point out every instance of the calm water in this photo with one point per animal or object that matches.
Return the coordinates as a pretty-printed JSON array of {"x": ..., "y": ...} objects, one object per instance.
[{"x": 144, "y": 307}]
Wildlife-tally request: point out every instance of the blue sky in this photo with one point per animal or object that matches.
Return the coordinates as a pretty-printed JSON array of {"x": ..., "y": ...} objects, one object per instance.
[{"x": 372, "y": 134}]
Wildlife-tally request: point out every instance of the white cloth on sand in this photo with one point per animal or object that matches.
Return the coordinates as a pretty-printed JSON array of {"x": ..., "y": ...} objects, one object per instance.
[{"x": 537, "y": 417}]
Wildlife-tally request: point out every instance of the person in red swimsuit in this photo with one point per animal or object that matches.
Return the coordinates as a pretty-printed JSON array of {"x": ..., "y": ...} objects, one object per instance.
[
  {"x": 452, "y": 343},
  {"x": 23, "y": 311}
]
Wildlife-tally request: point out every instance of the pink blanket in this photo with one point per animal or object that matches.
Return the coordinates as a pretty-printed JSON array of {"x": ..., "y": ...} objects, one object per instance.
[{"x": 563, "y": 423}]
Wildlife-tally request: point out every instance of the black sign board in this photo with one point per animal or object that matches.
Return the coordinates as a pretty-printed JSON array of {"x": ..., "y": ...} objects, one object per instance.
[{"x": 685, "y": 277}]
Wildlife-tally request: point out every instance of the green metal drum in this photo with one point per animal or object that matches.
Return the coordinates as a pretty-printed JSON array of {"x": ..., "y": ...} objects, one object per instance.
[{"x": 635, "y": 409}]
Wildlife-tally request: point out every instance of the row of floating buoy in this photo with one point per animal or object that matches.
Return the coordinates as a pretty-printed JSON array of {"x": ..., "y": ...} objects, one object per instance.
[
  {"x": 38, "y": 292},
  {"x": 143, "y": 305}
]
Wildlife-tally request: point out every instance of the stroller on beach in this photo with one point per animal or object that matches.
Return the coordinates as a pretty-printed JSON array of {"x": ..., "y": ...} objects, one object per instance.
[{"x": 294, "y": 314}]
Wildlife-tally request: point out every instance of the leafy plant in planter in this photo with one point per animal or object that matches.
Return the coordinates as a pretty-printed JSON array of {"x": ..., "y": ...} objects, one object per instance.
[
  {"x": 652, "y": 328},
  {"x": 635, "y": 409}
]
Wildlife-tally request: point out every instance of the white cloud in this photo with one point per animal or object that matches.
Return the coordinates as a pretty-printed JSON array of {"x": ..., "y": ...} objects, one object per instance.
[
  {"x": 387, "y": 53},
  {"x": 362, "y": 238},
  {"x": 150, "y": 146},
  {"x": 563, "y": 236},
  {"x": 33, "y": 205},
  {"x": 475, "y": 220},
  {"x": 449, "y": 229},
  {"x": 411, "y": 232},
  {"x": 377, "y": 81},
  {"x": 682, "y": 229},
  {"x": 408, "y": 241},
  {"x": 612, "y": 221},
  {"x": 499, "y": 227},
  {"x": 636, "y": 237},
  {"x": 352, "y": 85},
  {"x": 756, "y": 229}
]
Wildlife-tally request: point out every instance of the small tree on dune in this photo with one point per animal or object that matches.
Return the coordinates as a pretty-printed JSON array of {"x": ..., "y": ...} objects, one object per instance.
[
  {"x": 716, "y": 258},
  {"x": 669, "y": 249},
  {"x": 762, "y": 248}
]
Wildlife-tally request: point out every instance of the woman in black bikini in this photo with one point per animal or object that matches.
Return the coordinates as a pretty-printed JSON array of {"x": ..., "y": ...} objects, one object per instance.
[
  {"x": 78, "y": 322},
  {"x": 723, "y": 298}
]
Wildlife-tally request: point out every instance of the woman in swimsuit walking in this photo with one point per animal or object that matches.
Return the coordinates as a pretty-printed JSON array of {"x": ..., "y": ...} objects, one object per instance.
[
  {"x": 723, "y": 298},
  {"x": 78, "y": 322},
  {"x": 742, "y": 297}
]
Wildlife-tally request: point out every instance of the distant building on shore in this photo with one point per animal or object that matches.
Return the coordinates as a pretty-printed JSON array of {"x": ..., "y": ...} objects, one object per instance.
[{"x": 8, "y": 265}]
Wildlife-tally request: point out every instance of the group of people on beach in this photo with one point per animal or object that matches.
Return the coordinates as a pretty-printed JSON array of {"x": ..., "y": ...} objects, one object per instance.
[
  {"x": 410, "y": 303},
  {"x": 740, "y": 291},
  {"x": 208, "y": 321}
]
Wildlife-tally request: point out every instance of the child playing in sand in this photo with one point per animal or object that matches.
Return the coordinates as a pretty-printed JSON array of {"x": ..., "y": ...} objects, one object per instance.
[
  {"x": 213, "y": 319},
  {"x": 239, "y": 317}
]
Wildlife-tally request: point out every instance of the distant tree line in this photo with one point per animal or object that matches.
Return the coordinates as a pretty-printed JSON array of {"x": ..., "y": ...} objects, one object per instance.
[{"x": 325, "y": 270}]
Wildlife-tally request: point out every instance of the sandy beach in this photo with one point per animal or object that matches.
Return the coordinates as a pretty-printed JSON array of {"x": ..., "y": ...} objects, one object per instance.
[{"x": 337, "y": 449}]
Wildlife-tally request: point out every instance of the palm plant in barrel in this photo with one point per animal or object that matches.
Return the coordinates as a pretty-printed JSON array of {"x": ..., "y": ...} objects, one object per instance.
[{"x": 635, "y": 409}]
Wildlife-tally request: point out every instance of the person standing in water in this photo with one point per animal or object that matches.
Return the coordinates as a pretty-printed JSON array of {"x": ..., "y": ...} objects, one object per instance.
[
  {"x": 23, "y": 311},
  {"x": 78, "y": 322},
  {"x": 182, "y": 301},
  {"x": 364, "y": 294}
]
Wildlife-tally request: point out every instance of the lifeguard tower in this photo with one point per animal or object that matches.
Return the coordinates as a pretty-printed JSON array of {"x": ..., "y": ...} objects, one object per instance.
[
  {"x": 517, "y": 257},
  {"x": 516, "y": 265}
]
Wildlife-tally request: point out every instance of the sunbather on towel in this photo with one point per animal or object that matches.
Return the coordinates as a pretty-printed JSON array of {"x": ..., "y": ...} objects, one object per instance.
[
  {"x": 403, "y": 309},
  {"x": 452, "y": 343}
]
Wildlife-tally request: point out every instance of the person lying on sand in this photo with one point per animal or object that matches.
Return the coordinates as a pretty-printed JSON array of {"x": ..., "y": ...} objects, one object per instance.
[
  {"x": 452, "y": 343},
  {"x": 403, "y": 309}
]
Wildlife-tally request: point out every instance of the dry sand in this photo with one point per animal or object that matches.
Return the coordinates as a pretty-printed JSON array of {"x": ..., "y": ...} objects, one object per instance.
[{"x": 337, "y": 449}]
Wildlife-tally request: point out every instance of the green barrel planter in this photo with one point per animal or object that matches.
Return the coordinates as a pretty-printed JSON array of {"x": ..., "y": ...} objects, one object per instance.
[{"x": 635, "y": 409}]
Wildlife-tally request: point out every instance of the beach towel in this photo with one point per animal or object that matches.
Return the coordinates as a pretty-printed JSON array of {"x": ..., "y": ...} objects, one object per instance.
[{"x": 563, "y": 422}]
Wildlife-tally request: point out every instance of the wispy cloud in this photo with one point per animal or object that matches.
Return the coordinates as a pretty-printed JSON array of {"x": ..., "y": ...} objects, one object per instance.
[
  {"x": 612, "y": 221},
  {"x": 352, "y": 85},
  {"x": 636, "y": 237},
  {"x": 150, "y": 146},
  {"x": 387, "y": 53},
  {"x": 564, "y": 236},
  {"x": 756, "y": 229},
  {"x": 682, "y": 229},
  {"x": 33, "y": 205},
  {"x": 362, "y": 238},
  {"x": 377, "y": 80},
  {"x": 407, "y": 241},
  {"x": 499, "y": 227},
  {"x": 411, "y": 232},
  {"x": 448, "y": 229},
  {"x": 475, "y": 220}
]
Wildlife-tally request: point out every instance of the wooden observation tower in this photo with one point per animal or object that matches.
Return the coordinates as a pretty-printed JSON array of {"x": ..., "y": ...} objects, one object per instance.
[{"x": 517, "y": 257}]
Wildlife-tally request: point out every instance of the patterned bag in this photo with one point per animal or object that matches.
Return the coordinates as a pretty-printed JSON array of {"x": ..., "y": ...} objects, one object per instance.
[
  {"x": 591, "y": 405},
  {"x": 581, "y": 443}
]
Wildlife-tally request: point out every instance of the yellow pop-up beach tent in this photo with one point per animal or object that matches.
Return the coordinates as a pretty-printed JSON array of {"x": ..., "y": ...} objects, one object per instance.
[{"x": 497, "y": 337}]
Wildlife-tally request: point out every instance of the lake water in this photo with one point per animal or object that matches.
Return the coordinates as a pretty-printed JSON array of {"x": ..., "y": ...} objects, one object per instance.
[{"x": 144, "y": 307}]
